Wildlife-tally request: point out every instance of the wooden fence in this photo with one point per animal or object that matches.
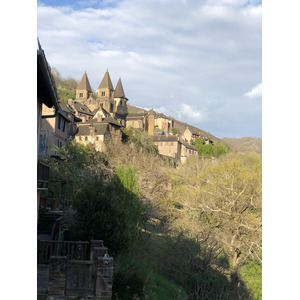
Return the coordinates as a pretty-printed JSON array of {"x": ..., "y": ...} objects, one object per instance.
[
  {"x": 81, "y": 277},
  {"x": 72, "y": 250}
]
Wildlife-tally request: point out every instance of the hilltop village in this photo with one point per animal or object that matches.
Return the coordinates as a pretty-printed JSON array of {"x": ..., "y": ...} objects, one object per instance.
[{"x": 97, "y": 121}]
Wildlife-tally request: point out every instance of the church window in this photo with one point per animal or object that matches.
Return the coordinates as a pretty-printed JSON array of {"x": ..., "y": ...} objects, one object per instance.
[{"x": 111, "y": 107}]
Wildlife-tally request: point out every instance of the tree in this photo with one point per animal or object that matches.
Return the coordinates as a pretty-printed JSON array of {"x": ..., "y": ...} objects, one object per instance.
[
  {"x": 68, "y": 174},
  {"x": 109, "y": 211},
  {"x": 226, "y": 197},
  {"x": 175, "y": 131}
]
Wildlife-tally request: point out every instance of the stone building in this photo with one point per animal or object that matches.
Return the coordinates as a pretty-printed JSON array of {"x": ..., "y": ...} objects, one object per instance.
[
  {"x": 172, "y": 146},
  {"x": 112, "y": 100},
  {"x": 46, "y": 96},
  {"x": 190, "y": 133},
  {"x": 98, "y": 131},
  {"x": 162, "y": 122},
  {"x": 55, "y": 131}
]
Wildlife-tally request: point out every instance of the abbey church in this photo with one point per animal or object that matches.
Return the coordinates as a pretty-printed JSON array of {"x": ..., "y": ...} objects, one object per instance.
[{"x": 108, "y": 98}]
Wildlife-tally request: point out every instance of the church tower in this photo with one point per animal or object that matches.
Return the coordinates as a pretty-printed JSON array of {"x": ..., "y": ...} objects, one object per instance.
[
  {"x": 120, "y": 99},
  {"x": 84, "y": 90},
  {"x": 106, "y": 94}
]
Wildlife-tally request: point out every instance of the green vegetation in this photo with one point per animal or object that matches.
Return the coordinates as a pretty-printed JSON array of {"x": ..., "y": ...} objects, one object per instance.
[
  {"x": 175, "y": 131},
  {"x": 66, "y": 88},
  {"x": 140, "y": 140},
  {"x": 209, "y": 150},
  {"x": 192, "y": 230}
]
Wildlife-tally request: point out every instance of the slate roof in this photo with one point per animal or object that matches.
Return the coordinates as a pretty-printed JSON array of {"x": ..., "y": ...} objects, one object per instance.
[
  {"x": 82, "y": 108},
  {"x": 110, "y": 120},
  {"x": 189, "y": 146},
  {"x": 134, "y": 109},
  {"x": 194, "y": 130},
  {"x": 84, "y": 83},
  {"x": 46, "y": 87},
  {"x": 84, "y": 129},
  {"x": 106, "y": 82},
  {"x": 119, "y": 92},
  {"x": 66, "y": 107},
  {"x": 163, "y": 138}
]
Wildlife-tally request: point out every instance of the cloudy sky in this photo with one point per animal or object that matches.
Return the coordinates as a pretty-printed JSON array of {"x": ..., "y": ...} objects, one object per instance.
[{"x": 196, "y": 60}]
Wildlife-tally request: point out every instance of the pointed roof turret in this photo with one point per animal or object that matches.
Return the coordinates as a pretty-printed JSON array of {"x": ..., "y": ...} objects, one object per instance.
[
  {"x": 106, "y": 82},
  {"x": 119, "y": 92},
  {"x": 84, "y": 83}
]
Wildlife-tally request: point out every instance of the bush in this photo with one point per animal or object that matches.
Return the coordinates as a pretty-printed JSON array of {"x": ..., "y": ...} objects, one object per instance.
[{"x": 108, "y": 211}]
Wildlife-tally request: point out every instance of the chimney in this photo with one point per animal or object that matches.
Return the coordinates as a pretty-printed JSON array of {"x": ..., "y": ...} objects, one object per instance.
[
  {"x": 83, "y": 119},
  {"x": 99, "y": 118},
  {"x": 92, "y": 130}
]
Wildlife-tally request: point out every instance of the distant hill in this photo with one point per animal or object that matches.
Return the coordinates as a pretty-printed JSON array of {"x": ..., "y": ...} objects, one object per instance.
[{"x": 244, "y": 144}]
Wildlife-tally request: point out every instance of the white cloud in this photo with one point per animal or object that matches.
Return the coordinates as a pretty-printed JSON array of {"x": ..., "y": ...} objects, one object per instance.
[
  {"x": 256, "y": 92},
  {"x": 201, "y": 54}
]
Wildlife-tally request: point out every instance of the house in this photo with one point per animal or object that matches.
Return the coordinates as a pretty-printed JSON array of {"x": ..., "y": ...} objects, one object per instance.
[
  {"x": 173, "y": 147},
  {"x": 56, "y": 131},
  {"x": 162, "y": 122},
  {"x": 47, "y": 96},
  {"x": 190, "y": 133},
  {"x": 98, "y": 131}
]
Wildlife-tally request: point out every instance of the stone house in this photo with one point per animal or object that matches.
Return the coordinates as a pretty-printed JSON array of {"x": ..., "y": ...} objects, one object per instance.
[
  {"x": 98, "y": 131},
  {"x": 172, "y": 146},
  {"x": 82, "y": 111},
  {"x": 55, "y": 131},
  {"x": 46, "y": 96},
  {"x": 162, "y": 122},
  {"x": 190, "y": 133}
]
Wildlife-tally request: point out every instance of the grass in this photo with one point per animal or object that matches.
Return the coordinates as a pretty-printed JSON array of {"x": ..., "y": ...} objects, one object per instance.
[{"x": 251, "y": 274}]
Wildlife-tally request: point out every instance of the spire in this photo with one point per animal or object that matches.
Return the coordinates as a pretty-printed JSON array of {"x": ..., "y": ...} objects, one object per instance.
[
  {"x": 106, "y": 82},
  {"x": 84, "y": 84},
  {"x": 119, "y": 92}
]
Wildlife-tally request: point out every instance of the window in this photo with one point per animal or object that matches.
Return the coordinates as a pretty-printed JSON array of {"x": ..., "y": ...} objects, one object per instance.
[
  {"x": 80, "y": 95},
  {"x": 103, "y": 93},
  {"x": 80, "y": 138},
  {"x": 85, "y": 138},
  {"x": 97, "y": 138},
  {"x": 111, "y": 107},
  {"x": 61, "y": 123}
]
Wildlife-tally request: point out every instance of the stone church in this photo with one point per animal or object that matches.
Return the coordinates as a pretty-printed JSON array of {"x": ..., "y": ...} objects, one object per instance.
[{"x": 108, "y": 98}]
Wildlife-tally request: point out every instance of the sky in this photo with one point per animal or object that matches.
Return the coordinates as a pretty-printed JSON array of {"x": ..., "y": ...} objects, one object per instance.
[{"x": 199, "y": 61}]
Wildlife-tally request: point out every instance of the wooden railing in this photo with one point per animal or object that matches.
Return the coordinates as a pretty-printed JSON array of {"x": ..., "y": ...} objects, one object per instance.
[
  {"x": 81, "y": 277},
  {"x": 72, "y": 250}
]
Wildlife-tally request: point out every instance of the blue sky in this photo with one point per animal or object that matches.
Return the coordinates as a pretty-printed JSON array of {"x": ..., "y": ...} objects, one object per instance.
[{"x": 198, "y": 61}]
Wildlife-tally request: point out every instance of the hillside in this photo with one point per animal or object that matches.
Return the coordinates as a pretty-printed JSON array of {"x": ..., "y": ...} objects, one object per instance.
[{"x": 244, "y": 144}]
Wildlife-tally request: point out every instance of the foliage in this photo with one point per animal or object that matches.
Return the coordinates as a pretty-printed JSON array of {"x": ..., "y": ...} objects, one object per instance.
[
  {"x": 66, "y": 88},
  {"x": 251, "y": 274},
  {"x": 129, "y": 178},
  {"x": 227, "y": 199},
  {"x": 107, "y": 211},
  {"x": 175, "y": 131},
  {"x": 69, "y": 172},
  {"x": 209, "y": 150},
  {"x": 140, "y": 140}
]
